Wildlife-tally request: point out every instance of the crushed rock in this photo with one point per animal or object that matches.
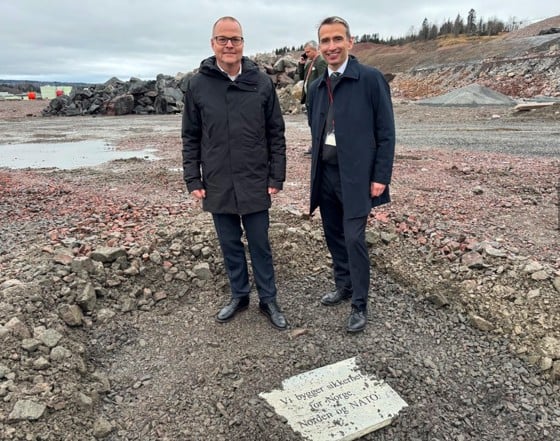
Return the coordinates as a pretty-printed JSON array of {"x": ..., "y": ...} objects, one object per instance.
[{"x": 471, "y": 95}]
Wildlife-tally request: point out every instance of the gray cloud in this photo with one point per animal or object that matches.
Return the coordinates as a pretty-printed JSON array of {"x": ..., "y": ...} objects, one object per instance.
[{"x": 93, "y": 40}]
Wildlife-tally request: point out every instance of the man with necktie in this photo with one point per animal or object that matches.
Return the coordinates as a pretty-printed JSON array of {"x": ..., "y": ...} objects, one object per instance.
[{"x": 353, "y": 146}]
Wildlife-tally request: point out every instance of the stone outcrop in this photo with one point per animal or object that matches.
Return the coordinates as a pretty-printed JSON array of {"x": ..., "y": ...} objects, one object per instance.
[
  {"x": 534, "y": 72},
  {"x": 115, "y": 97},
  {"x": 165, "y": 94}
]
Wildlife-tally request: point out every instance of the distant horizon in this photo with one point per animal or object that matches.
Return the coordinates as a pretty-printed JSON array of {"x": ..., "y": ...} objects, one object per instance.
[
  {"x": 8, "y": 81},
  {"x": 70, "y": 81}
]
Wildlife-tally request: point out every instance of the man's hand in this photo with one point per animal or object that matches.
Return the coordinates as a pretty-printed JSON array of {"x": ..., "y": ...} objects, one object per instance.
[
  {"x": 376, "y": 189},
  {"x": 272, "y": 190},
  {"x": 199, "y": 194}
]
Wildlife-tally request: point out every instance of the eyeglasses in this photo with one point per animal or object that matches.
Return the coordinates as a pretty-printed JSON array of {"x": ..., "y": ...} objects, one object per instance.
[{"x": 222, "y": 41}]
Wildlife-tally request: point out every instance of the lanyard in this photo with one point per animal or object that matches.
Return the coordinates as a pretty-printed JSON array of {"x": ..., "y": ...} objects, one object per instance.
[
  {"x": 309, "y": 69},
  {"x": 331, "y": 97},
  {"x": 331, "y": 101}
]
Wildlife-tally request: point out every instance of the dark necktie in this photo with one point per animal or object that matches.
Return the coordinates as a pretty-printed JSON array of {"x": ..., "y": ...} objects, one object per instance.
[
  {"x": 333, "y": 79},
  {"x": 328, "y": 152}
]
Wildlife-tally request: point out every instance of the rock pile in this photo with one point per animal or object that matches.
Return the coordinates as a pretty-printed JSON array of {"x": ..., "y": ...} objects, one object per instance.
[
  {"x": 471, "y": 95},
  {"x": 46, "y": 366},
  {"x": 64, "y": 304},
  {"x": 165, "y": 94},
  {"x": 116, "y": 97}
]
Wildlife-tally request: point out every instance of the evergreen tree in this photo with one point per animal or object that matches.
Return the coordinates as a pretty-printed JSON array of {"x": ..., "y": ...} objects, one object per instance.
[
  {"x": 458, "y": 26},
  {"x": 471, "y": 22}
]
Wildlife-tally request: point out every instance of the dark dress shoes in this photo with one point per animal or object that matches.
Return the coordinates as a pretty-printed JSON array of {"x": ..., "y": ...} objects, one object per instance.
[
  {"x": 335, "y": 297},
  {"x": 274, "y": 314},
  {"x": 236, "y": 304},
  {"x": 357, "y": 320}
]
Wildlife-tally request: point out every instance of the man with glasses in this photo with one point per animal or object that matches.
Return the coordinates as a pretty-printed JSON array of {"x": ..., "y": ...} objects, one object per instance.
[
  {"x": 234, "y": 159},
  {"x": 353, "y": 146}
]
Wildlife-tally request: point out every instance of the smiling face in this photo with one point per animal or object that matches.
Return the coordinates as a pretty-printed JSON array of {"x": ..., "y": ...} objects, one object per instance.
[
  {"x": 228, "y": 56},
  {"x": 334, "y": 44}
]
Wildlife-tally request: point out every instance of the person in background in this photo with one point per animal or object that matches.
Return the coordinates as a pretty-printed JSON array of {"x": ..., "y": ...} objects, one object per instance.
[
  {"x": 311, "y": 66},
  {"x": 234, "y": 160},
  {"x": 353, "y": 147}
]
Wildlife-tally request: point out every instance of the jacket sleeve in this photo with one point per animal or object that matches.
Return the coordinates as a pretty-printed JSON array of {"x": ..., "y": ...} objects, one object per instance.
[
  {"x": 310, "y": 101},
  {"x": 384, "y": 124},
  {"x": 191, "y": 135},
  {"x": 276, "y": 140},
  {"x": 301, "y": 71}
]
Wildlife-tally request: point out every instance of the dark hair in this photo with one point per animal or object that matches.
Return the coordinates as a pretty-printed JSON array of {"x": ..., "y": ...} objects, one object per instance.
[{"x": 333, "y": 20}]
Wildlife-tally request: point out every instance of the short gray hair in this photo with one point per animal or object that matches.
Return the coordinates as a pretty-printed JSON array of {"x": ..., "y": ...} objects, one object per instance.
[
  {"x": 311, "y": 43},
  {"x": 226, "y": 18}
]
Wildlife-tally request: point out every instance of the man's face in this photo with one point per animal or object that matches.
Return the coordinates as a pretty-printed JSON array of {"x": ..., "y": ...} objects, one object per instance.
[
  {"x": 228, "y": 56},
  {"x": 334, "y": 44},
  {"x": 310, "y": 52}
]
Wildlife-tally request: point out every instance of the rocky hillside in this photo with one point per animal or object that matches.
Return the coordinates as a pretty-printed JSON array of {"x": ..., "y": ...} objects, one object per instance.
[{"x": 521, "y": 64}]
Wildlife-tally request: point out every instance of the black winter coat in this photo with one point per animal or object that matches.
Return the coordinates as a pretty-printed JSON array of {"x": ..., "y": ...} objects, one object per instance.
[{"x": 233, "y": 139}]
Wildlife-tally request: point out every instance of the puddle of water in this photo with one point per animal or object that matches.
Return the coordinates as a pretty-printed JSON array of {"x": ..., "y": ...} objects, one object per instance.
[{"x": 66, "y": 155}]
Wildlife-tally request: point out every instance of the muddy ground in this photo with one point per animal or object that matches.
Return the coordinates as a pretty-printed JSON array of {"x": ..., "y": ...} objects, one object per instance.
[{"x": 110, "y": 278}]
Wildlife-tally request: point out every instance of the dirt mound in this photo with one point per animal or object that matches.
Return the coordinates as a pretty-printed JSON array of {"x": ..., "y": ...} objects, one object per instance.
[
  {"x": 535, "y": 28},
  {"x": 471, "y": 95}
]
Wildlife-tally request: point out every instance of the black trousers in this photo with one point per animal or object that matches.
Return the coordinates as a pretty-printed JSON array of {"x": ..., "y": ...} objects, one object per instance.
[
  {"x": 229, "y": 231},
  {"x": 346, "y": 239}
]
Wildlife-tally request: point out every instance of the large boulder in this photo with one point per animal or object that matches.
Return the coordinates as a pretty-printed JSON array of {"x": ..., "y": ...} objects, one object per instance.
[{"x": 120, "y": 105}]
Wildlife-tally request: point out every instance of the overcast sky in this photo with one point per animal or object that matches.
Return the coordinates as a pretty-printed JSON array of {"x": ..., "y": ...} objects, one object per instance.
[{"x": 94, "y": 40}]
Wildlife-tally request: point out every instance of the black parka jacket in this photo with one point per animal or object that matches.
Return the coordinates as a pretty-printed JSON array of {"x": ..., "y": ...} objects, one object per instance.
[{"x": 233, "y": 138}]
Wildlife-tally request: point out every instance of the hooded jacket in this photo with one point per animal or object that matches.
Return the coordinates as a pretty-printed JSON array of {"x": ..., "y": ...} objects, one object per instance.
[{"x": 233, "y": 138}]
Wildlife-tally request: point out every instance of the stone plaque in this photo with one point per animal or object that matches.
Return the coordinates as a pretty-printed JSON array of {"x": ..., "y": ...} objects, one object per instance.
[{"x": 335, "y": 402}]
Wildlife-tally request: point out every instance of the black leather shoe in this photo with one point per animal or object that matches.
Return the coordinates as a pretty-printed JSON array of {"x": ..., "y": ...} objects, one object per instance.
[
  {"x": 357, "y": 320},
  {"x": 236, "y": 304},
  {"x": 335, "y": 297},
  {"x": 274, "y": 314}
]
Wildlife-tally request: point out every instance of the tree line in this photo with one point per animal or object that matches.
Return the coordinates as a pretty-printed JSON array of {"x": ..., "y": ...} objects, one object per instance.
[{"x": 429, "y": 31}]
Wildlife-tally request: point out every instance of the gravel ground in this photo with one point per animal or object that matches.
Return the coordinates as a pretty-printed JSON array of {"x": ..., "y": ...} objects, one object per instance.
[
  {"x": 462, "y": 341},
  {"x": 494, "y": 129},
  {"x": 460, "y": 383}
]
